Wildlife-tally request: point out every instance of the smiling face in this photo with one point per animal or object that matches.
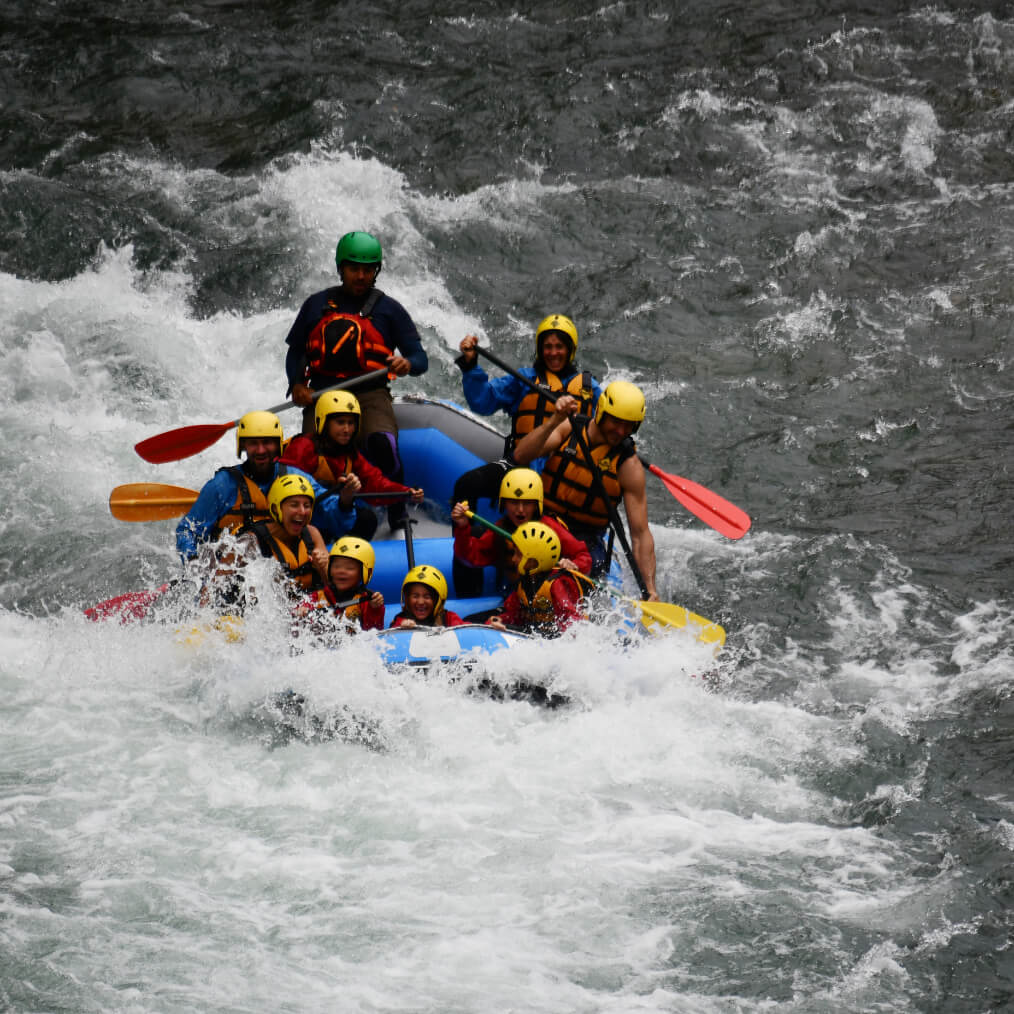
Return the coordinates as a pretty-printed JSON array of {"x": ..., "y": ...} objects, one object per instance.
[
  {"x": 555, "y": 351},
  {"x": 296, "y": 512},
  {"x": 518, "y": 512},
  {"x": 261, "y": 452},
  {"x": 345, "y": 573},
  {"x": 614, "y": 431},
  {"x": 419, "y": 601}
]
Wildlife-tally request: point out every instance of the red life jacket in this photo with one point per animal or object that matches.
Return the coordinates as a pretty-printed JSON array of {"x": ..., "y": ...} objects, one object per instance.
[{"x": 346, "y": 344}]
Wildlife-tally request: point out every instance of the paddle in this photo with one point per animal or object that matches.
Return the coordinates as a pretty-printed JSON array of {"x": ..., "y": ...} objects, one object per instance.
[
  {"x": 666, "y": 614},
  {"x": 186, "y": 441},
  {"x": 127, "y": 607},
  {"x": 154, "y": 501},
  {"x": 407, "y": 524},
  {"x": 725, "y": 517}
]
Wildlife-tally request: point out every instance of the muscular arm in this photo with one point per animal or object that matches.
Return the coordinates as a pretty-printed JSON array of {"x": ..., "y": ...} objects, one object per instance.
[
  {"x": 545, "y": 439},
  {"x": 635, "y": 503}
]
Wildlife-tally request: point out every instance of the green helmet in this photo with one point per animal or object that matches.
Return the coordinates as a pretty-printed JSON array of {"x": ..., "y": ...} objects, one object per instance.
[{"x": 360, "y": 248}]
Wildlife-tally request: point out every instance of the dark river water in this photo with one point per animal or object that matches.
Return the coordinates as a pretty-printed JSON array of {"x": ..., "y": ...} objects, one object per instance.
[{"x": 793, "y": 226}]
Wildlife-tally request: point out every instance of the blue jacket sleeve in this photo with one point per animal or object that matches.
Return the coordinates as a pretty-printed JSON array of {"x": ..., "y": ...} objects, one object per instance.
[
  {"x": 485, "y": 396},
  {"x": 217, "y": 495}
]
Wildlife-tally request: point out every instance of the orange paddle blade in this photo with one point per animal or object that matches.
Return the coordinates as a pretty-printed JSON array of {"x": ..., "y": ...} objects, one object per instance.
[{"x": 150, "y": 501}]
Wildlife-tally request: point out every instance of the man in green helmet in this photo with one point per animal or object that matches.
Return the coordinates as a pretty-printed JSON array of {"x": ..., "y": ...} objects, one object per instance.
[{"x": 350, "y": 330}]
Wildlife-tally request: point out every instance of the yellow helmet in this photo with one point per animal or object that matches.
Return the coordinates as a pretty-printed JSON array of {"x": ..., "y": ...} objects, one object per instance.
[
  {"x": 622, "y": 400},
  {"x": 432, "y": 578},
  {"x": 557, "y": 322},
  {"x": 537, "y": 542},
  {"x": 522, "y": 484},
  {"x": 258, "y": 424},
  {"x": 357, "y": 549},
  {"x": 331, "y": 402},
  {"x": 285, "y": 486}
]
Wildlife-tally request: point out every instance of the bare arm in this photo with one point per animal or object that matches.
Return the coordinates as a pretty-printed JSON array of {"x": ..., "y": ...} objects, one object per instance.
[
  {"x": 545, "y": 439},
  {"x": 635, "y": 503}
]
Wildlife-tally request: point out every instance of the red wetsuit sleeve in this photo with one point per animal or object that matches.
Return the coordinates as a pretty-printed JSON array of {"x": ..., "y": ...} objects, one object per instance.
[
  {"x": 452, "y": 619},
  {"x": 511, "y": 611},
  {"x": 372, "y": 619},
  {"x": 571, "y": 547},
  {"x": 373, "y": 479},
  {"x": 566, "y": 595},
  {"x": 479, "y": 551},
  {"x": 301, "y": 453},
  {"x": 398, "y": 620}
]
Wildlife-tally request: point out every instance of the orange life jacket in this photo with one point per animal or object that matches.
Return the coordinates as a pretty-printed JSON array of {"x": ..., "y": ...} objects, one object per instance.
[
  {"x": 567, "y": 478},
  {"x": 534, "y": 409},
  {"x": 298, "y": 565},
  {"x": 249, "y": 507}
]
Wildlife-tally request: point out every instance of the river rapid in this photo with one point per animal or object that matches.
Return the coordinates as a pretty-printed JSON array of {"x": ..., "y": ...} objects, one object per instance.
[{"x": 793, "y": 227}]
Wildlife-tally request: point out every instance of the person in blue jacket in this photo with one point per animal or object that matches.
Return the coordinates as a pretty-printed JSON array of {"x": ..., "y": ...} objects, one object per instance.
[
  {"x": 555, "y": 367},
  {"x": 347, "y": 331},
  {"x": 235, "y": 497}
]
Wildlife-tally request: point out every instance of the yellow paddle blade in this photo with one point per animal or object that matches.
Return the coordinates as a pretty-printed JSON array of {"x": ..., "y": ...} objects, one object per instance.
[
  {"x": 150, "y": 501},
  {"x": 666, "y": 614},
  {"x": 229, "y": 626}
]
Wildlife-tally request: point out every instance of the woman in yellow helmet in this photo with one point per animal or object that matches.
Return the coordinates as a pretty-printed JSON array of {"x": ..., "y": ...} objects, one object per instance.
[{"x": 288, "y": 537}]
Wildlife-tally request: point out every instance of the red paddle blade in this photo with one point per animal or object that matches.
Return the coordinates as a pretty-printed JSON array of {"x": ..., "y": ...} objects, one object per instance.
[
  {"x": 726, "y": 518},
  {"x": 182, "y": 443},
  {"x": 127, "y": 607}
]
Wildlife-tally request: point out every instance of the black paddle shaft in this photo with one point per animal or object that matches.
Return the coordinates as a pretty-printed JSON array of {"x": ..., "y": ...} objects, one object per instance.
[
  {"x": 409, "y": 547},
  {"x": 614, "y": 515}
]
